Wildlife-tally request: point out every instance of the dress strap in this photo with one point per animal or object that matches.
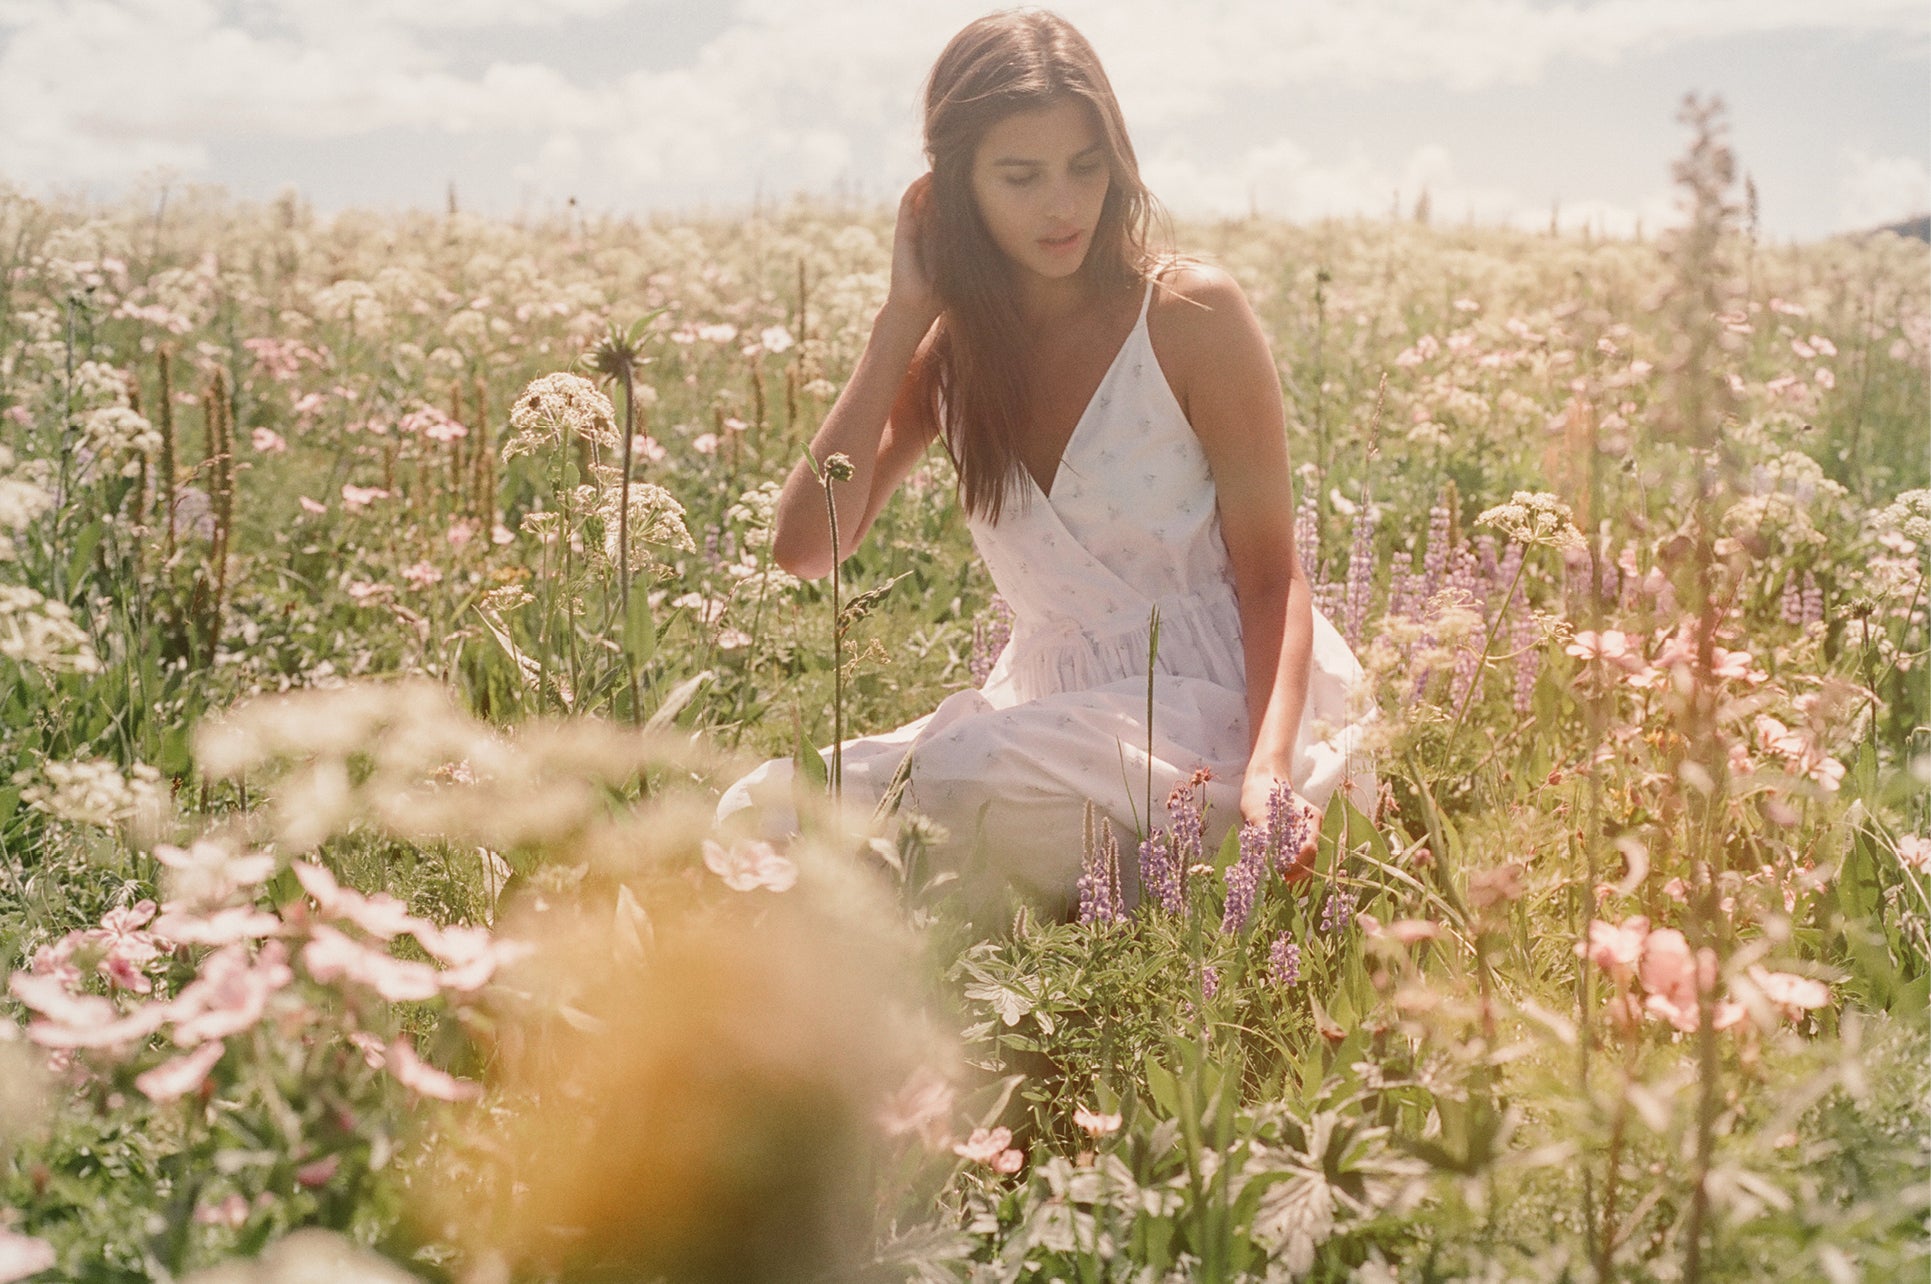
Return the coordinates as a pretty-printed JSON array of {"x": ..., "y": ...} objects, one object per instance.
[{"x": 1146, "y": 303}]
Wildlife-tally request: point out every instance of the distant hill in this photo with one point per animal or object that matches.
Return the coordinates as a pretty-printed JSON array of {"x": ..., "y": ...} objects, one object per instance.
[{"x": 1919, "y": 227}]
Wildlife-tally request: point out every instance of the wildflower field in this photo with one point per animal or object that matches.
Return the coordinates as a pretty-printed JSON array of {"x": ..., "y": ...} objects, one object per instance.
[{"x": 384, "y": 601}]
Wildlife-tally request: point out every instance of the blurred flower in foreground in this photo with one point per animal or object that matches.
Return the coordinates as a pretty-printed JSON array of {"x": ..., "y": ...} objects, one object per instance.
[
  {"x": 307, "y": 1257},
  {"x": 22, "y": 1256},
  {"x": 696, "y": 1103}
]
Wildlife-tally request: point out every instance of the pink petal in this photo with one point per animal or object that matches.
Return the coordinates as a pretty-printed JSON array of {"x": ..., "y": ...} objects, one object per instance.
[
  {"x": 182, "y": 1075},
  {"x": 423, "y": 1079}
]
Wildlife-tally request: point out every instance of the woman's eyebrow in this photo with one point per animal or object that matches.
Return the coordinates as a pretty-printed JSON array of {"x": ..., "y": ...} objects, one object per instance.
[{"x": 1030, "y": 163}]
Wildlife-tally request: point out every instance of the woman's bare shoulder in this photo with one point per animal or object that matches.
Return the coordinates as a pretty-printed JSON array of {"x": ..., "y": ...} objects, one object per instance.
[{"x": 1199, "y": 313}]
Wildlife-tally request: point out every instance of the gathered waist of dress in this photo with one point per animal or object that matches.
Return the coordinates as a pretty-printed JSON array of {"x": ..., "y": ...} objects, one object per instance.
[{"x": 1199, "y": 638}]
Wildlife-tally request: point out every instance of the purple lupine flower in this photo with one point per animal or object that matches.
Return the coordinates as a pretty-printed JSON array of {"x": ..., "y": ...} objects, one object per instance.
[
  {"x": 1360, "y": 573},
  {"x": 1434, "y": 561},
  {"x": 1160, "y": 873},
  {"x": 1791, "y": 606},
  {"x": 1813, "y": 600},
  {"x": 1528, "y": 660},
  {"x": 1403, "y": 586},
  {"x": 1284, "y": 961},
  {"x": 1331, "y": 600},
  {"x": 1286, "y": 826},
  {"x": 1505, "y": 570},
  {"x": 1244, "y": 878},
  {"x": 1307, "y": 535},
  {"x": 1338, "y": 911},
  {"x": 1100, "y": 897},
  {"x": 990, "y": 633},
  {"x": 1209, "y": 980},
  {"x": 1183, "y": 807}
]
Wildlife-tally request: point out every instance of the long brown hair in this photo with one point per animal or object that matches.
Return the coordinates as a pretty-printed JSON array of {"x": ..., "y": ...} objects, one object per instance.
[{"x": 973, "y": 381}]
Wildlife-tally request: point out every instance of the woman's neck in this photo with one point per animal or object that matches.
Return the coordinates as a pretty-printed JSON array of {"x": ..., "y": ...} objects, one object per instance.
[{"x": 1047, "y": 301}]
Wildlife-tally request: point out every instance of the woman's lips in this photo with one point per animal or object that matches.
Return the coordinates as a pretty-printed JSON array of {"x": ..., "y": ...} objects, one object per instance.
[{"x": 1060, "y": 244}]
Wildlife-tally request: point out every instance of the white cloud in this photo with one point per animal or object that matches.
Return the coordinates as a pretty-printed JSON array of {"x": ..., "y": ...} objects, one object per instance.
[
  {"x": 793, "y": 94},
  {"x": 1882, "y": 189}
]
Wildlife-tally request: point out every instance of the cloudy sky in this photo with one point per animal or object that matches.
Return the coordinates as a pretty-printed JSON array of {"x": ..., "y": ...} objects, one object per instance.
[{"x": 1501, "y": 109}]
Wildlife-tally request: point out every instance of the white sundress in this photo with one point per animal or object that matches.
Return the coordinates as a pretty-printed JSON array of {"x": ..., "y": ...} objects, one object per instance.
[{"x": 1130, "y": 524}]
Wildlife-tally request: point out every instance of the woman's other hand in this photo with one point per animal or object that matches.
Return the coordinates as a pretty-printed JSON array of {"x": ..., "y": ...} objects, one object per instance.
[
  {"x": 912, "y": 293},
  {"x": 1256, "y": 792}
]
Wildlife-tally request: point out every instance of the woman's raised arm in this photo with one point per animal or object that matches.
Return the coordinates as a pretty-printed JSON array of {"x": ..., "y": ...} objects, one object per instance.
[{"x": 877, "y": 422}]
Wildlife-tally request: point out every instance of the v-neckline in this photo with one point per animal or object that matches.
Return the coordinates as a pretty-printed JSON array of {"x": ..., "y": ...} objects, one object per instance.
[{"x": 1059, "y": 465}]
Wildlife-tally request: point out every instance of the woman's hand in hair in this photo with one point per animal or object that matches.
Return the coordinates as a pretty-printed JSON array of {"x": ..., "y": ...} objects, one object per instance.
[{"x": 913, "y": 296}]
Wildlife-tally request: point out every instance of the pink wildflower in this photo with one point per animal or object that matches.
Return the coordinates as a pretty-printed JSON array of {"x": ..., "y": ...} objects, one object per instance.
[
  {"x": 380, "y": 914},
  {"x": 182, "y": 1075},
  {"x": 993, "y": 1149},
  {"x": 330, "y": 955},
  {"x": 705, "y": 443},
  {"x": 311, "y": 506},
  {"x": 360, "y": 497},
  {"x": 81, "y": 1020},
  {"x": 23, "y": 1256},
  {"x": 375, "y": 1054},
  {"x": 750, "y": 864},
  {"x": 228, "y": 926},
  {"x": 422, "y": 575},
  {"x": 1791, "y": 994},
  {"x": 984, "y": 1145},
  {"x": 267, "y": 441},
  {"x": 1915, "y": 853},
  {"x": 1616, "y": 947},
  {"x": 425, "y": 1080},
  {"x": 207, "y": 873},
  {"x": 231, "y": 994},
  {"x": 1096, "y": 1124},
  {"x": 231, "y": 1212},
  {"x": 1674, "y": 981},
  {"x": 922, "y": 1106}
]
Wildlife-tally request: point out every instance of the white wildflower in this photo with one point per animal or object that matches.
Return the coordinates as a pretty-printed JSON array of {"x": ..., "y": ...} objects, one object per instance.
[
  {"x": 551, "y": 408},
  {"x": 656, "y": 523},
  {"x": 42, "y": 634},
  {"x": 1535, "y": 517},
  {"x": 1909, "y": 515},
  {"x": 93, "y": 792},
  {"x": 115, "y": 432}
]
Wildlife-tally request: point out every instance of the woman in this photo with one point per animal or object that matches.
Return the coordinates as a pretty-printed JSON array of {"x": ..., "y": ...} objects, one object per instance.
[{"x": 1117, "y": 429}]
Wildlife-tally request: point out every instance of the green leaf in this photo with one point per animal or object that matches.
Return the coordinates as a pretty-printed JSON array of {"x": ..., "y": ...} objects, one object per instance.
[
  {"x": 811, "y": 764},
  {"x": 640, "y": 629},
  {"x": 85, "y": 543},
  {"x": 1163, "y": 1087},
  {"x": 674, "y": 703},
  {"x": 1229, "y": 849}
]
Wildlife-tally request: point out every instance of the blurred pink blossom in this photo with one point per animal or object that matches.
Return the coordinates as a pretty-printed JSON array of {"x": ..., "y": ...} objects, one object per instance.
[
  {"x": 1096, "y": 1123},
  {"x": 231, "y": 993},
  {"x": 425, "y": 1080},
  {"x": 267, "y": 441},
  {"x": 330, "y": 956},
  {"x": 311, "y": 506},
  {"x": 360, "y": 497},
  {"x": 22, "y": 1256},
  {"x": 422, "y": 575},
  {"x": 1616, "y": 947},
  {"x": 379, "y": 914},
  {"x": 1791, "y": 994},
  {"x": 749, "y": 864},
  {"x": 182, "y": 1075}
]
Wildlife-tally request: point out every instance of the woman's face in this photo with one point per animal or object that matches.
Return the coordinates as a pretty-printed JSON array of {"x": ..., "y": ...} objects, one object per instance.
[{"x": 1039, "y": 178}]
